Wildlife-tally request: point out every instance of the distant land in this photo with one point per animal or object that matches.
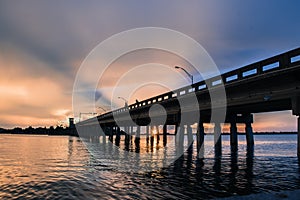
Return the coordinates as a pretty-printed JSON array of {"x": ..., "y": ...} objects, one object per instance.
[{"x": 59, "y": 130}]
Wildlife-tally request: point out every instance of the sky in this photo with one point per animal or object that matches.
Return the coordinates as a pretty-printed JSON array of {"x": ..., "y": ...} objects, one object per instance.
[{"x": 43, "y": 44}]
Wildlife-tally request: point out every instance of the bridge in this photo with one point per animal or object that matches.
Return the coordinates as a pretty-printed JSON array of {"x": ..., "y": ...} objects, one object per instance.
[{"x": 269, "y": 85}]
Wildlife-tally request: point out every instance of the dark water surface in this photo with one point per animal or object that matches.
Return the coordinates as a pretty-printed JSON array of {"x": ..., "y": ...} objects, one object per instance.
[{"x": 54, "y": 167}]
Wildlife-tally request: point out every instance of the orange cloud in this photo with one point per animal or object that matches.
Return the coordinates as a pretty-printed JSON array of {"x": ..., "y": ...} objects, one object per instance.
[{"x": 31, "y": 91}]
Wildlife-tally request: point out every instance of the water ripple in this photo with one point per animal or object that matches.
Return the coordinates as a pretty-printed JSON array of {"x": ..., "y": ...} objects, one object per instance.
[{"x": 62, "y": 168}]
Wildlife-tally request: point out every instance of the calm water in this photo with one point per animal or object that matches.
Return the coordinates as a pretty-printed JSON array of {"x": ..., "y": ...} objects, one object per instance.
[{"x": 43, "y": 167}]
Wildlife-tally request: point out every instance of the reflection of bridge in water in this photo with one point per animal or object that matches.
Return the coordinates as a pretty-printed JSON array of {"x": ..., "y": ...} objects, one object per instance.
[{"x": 265, "y": 86}]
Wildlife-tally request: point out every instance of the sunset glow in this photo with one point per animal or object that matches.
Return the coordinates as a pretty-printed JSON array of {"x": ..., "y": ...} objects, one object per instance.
[{"x": 42, "y": 47}]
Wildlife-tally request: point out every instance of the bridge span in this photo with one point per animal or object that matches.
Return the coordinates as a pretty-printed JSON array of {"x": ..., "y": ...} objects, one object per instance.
[{"x": 269, "y": 85}]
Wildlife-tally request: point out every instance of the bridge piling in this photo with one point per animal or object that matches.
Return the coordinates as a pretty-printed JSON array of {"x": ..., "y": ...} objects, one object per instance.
[
  {"x": 233, "y": 136},
  {"x": 137, "y": 134},
  {"x": 296, "y": 111},
  {"x": 104, "y": 138},
  {"x": 190, "y": 136},
  {"x": 147, "y": 134},
  {"x": 152, "y": 136},
  {"x": 200, "y": 140},
  {"x": 249, "y": 132},
  {"x": 118, "y": 136},
  {"x": 218, "y": 140},
  {"x": 137, "y": 138},
  {"x": 180, "y": 140},
  {"x": 130, "y": 134},
  {"x": 127, "y": 136},
  {"x": 165, "y": 135},
  {"x": 110, "y": 132}
]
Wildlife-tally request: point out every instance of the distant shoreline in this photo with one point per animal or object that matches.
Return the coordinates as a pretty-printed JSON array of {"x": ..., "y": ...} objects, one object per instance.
[{"x": 72, "y": 134}]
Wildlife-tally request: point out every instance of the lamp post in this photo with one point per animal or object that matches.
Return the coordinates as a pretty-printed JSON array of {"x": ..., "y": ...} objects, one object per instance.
[
  {"x": 190, "y": 75},
  {"x": 126, "y": 102}
]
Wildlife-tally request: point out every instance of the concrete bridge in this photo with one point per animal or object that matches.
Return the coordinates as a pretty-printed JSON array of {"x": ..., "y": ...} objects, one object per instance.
[{"x": 269, "y": 85}]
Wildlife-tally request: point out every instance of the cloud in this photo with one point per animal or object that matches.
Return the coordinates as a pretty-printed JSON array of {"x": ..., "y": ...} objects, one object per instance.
[
  {"x": 29, "y": 91},
  {"x": 42, "y": 44}
]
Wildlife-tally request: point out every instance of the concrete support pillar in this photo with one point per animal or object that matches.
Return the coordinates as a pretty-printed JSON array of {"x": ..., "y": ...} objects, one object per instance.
[
  {"x": 147, "y": 134},
  {"x": 152, "y": 135},
  {"x": 137, "y": 136},
  {"x": 200, "y": 140},
  {"x": 190, "y": 136},
  {"x": 165, "y": 135},
  {"x": 130, "y": 134},
  {"x": 180, "y": 140},
  {"x": 176, "y": 129},
  {"x": 218, "y": 140},
  {"x": 233, "y": 137},
  {"x": 104, "y": 136},
  {"x": 110, "y": 130},
  {"x": 118, "y": 136},
  {"x": 296, "y": 111},
  {"x": 249, "y": 133},
  {"x": 127, "y": 137},
  {"x": 296, "y": 105}
]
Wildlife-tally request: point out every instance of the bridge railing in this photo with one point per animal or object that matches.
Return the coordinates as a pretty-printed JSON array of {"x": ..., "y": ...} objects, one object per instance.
[{"x": 278, "y": 62}]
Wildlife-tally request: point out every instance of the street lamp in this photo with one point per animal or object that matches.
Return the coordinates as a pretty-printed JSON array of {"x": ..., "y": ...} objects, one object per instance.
[
  {"x": 126, "y": 102},
  {"x": 190, "y": 75}
]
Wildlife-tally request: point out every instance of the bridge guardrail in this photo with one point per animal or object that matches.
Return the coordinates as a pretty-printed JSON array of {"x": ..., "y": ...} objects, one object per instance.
[{"x": 278, "y": 62}]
